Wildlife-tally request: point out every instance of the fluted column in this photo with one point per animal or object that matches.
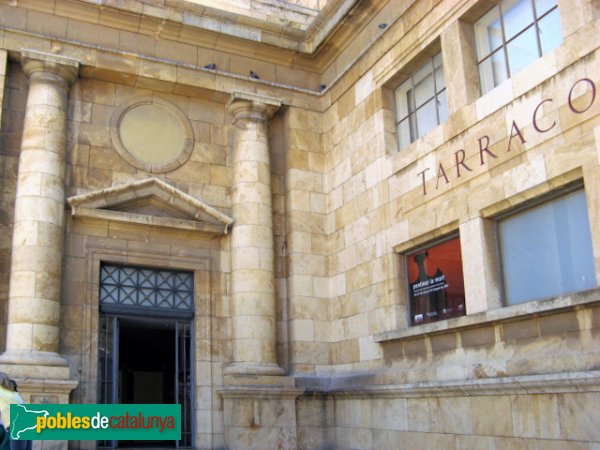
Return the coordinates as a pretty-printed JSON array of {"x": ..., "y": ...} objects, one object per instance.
[
  {"x": 33, "y": 332},
  {"x": 252, "y": 285}
]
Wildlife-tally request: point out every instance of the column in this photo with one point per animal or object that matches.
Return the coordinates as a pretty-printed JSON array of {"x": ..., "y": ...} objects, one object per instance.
[
  {"x": 33, "y": 331},
  {"x": 252, "y": 285}
]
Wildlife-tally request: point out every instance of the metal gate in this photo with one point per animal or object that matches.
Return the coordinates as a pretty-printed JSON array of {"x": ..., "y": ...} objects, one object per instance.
[{"x": 149, "y": 294}]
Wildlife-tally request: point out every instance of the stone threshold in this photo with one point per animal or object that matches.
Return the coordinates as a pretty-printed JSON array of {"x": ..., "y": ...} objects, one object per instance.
[
  {"x": 506, "y": 314},
  {"x": 554, "y": 383}
]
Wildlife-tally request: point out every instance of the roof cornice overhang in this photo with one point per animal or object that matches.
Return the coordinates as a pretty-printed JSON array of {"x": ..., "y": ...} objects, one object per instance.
[{"x": 280, "y": 24}]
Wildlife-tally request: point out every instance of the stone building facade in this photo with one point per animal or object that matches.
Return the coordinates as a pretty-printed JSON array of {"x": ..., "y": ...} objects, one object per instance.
[{"x": 344, "y": 224}]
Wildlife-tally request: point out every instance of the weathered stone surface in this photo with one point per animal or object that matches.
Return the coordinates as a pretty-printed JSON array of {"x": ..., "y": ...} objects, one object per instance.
[{"x": 312, "y": 278}]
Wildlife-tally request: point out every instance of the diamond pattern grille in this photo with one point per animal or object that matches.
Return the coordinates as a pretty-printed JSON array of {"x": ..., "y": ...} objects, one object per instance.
[{"x": 147, "y": 288}]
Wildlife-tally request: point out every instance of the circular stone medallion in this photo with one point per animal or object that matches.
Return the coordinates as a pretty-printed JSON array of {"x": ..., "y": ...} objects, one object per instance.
[{"x": 152, "y": 134}]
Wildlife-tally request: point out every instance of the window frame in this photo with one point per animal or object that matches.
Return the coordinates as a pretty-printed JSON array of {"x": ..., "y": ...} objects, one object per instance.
[
  {"x": 547, "y": 198},
  {"x": 503, "y": 48},
  {"x": 411, "y": 106}
]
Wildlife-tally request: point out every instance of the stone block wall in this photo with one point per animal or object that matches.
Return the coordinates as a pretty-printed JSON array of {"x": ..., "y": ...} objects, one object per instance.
[
  {"x": 498, "y": 421},
  {"x": 384, "y": 202},
  {"x": 314, "y": 421},
  {"x": 306, "y": 246},
  {"x": 501, "y": 382},
  {"x": 260, "y": 418},
  {"x": 361, "y": 268},
  {"x": 14, "y": 95},
  {"x": 489, "y": 346}
]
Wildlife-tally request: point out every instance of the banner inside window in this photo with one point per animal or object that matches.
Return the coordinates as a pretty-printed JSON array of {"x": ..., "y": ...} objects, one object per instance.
[{"x": 435, "y": 282}]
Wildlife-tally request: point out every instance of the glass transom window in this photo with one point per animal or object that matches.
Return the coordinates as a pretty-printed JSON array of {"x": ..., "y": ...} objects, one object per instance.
[
  {"x": 126, "y": 289},
  {"x": 421, "y": 102},
  {"x": 547, "y": 250},
  {"x": 512, "y": 35}
]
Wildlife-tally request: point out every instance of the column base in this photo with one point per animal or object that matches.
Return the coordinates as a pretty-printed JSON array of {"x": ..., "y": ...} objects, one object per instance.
[
  {"x": 41, "y": 391},
  {"x": 42, "y": 377},
  {"x": 27, "y": 364},
  {"x": 260, "y": 413},
  {"x": 247, "y": 368}
]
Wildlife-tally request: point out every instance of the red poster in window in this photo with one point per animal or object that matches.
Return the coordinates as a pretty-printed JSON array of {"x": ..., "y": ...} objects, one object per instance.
[{"x": 435, "y": 283}]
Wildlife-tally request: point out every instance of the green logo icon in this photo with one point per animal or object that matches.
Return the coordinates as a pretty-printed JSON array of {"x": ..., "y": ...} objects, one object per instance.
[
  {"x": 95, "y": 422},
  {"x": 24, "y": 418}
]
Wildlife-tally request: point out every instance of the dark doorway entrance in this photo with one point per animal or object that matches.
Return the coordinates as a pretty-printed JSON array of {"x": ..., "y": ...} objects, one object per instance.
[
  {"x": 145, "y": 345},
  {"x": 146, "y": 367},
  {"x": 146, "y": 363},
  {"x": 147, "y": 360}
]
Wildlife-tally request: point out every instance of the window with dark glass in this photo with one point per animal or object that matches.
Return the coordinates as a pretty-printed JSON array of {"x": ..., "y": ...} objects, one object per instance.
[
  {"x": 435, "y": 282},
  {"x": 547, "y": 250},
  {"x": 512, "y": 35},
  {"x": 421, "y": 102}
]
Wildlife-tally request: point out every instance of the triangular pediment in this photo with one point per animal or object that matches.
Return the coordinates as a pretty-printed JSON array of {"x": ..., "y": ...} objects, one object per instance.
[{"x": 151, "y": 202}]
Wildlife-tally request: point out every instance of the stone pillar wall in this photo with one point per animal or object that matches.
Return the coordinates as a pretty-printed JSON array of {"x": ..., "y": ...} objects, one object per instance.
[
  {"x": 576, "y": 13},
  {"x": 252, "y": 285},
  {"x": 307, "y": 281},
  {"x": 460, "y": 65},
  {"x": 479, "y": 250},
  {"x": 33, "y": 332},
  {"x": 260, "y": 416},
  {"x": 3, "y": 69}
]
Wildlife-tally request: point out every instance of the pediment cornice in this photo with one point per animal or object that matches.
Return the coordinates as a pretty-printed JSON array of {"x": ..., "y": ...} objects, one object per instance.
[{"x": 150, "y": 202}]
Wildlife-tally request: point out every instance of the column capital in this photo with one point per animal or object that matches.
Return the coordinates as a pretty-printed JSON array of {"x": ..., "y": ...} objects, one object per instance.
[
  {"x": 49, "y": 66},
  {"x": 252, "y": 107}
]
